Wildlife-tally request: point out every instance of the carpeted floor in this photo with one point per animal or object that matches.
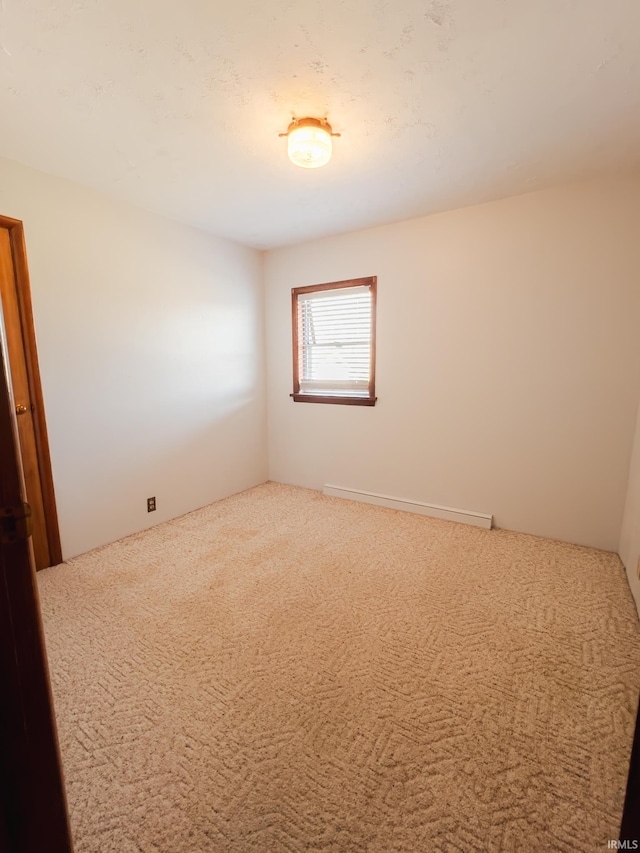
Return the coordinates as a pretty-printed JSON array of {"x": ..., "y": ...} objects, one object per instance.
[{"x": 283, "y": 671}]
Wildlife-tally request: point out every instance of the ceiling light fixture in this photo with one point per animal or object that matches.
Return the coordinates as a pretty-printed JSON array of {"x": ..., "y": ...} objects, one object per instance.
[{"x": 309, "y": 142}]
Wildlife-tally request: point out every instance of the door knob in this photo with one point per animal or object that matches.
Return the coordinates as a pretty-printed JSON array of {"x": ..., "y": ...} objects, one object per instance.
[{"x": 21, "y": 410}]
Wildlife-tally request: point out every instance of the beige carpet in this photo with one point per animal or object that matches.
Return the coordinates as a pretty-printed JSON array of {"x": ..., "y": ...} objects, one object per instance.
[{"x": 283, "y": 671}]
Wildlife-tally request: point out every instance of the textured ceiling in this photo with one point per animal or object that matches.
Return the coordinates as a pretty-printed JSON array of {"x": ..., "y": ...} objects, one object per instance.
[{"x": 176, "y": 106}]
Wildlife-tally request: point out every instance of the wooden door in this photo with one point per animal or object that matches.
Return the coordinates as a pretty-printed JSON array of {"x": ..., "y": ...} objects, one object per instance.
[
  {"x": 25, "y": 380},
  {"x": 33, "y": 811},
  {"x": 630, "y": 829}
]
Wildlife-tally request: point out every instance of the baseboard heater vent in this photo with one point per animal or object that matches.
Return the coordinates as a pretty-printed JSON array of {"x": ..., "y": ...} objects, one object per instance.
[{"x": 464, "y": 516}]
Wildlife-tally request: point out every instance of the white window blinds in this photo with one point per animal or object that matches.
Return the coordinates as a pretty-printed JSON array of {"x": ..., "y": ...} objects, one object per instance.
[{"x": 334, "y": 341}]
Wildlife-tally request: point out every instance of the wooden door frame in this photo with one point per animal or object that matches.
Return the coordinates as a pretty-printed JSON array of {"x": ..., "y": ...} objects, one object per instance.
[
  {"x": 630, "y": 828},
  {"x": 33, "y": 809},
  {"x": 23, "y": 292}
]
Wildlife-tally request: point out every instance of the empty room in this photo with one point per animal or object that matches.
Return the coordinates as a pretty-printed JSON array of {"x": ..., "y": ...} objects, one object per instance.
[{"x": 320, "y": 449}]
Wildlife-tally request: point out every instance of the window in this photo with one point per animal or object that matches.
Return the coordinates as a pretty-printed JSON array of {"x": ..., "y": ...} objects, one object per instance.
[{"x": 334, "y": 342}]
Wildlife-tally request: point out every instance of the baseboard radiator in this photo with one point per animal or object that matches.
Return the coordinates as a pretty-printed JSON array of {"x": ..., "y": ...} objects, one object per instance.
[{"x": 464, "y": 516}]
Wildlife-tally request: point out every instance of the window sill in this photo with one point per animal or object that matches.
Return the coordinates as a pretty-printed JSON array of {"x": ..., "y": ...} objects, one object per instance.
[{"x": 327, "y": 398}]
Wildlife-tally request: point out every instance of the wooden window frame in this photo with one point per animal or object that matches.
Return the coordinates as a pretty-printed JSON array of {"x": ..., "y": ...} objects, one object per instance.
[{"x": 298, "y": 397}]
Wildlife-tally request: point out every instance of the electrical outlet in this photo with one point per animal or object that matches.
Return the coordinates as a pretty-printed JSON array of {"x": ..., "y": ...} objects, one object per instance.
[
  {"x": 151, "y": 504},
  {"x": 638, "y": 567}
]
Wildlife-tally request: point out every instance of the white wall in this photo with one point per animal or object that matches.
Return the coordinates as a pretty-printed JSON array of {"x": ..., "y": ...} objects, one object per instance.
[
  {"x": 150, "y": 341},
  {"x": 630, "y": 535},
  {"x": 508, "y": 361}
]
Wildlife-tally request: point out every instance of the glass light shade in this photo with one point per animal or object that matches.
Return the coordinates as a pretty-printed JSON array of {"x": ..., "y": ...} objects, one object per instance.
[{"x": 309, "y": 145}]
